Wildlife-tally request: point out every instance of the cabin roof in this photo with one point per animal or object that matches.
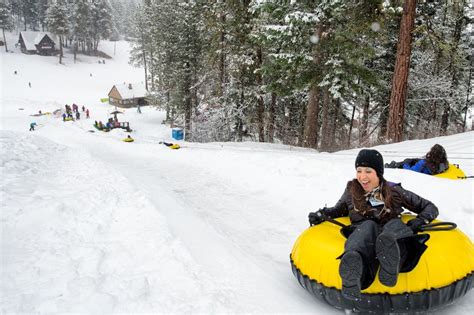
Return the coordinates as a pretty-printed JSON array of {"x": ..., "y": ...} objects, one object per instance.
[
  {"x": 34, "y": 38},
  {"x": 137, "y": 91}
]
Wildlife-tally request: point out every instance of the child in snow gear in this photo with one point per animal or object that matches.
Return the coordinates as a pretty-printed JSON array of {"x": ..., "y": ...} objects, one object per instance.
[
  {"x": 32, "y": 126},
  {"x": 435, "y": 162},
  {"x": 377, "y": 237}
]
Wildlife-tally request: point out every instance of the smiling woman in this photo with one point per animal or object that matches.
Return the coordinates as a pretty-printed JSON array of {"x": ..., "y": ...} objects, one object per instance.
[{"x": 374, "y": 240}]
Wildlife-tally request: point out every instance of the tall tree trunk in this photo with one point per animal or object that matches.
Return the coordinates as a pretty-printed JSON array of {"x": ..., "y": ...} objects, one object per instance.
[
  {"x": 75, "y": 51},
  {"x": 325, "y": 135},
  {"x": 271, "y": 118},
  {"x": 188, "y": 103},
  {"x": 152, "y": 71},
  {"x": 311, "y": 126},
  {"x": 222, "y": 55},
  {"x": 260, "y": 102},
  {"x": 240, "y": 123},
  {"x": 60, "y": 49},
  {"x": 335, "y": 120},
  {"x": 468, "y": 94},
  {"x": 169, "y": 116},
  {"x": 443, "y": 128},
  {"x": 350, "y": 126},
  {"x": 400, "y": 75},
  {"x": 146, "y": 70},
  {"x": 364, "y": 124},
  {"x": 4, "y": 40},
  {"x": 458, "y": 27}
]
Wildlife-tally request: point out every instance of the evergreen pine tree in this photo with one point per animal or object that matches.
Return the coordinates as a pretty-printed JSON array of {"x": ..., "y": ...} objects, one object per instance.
[{"x": 6, "y": 21}]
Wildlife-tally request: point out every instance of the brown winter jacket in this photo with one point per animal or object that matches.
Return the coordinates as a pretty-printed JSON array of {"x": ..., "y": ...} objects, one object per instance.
[{"x": 401, "y": 198}]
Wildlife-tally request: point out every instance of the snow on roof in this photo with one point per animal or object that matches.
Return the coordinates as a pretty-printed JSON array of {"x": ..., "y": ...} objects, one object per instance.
[
  {"x": 136, "y": 90},
  {"x": 33, "y": 38}
]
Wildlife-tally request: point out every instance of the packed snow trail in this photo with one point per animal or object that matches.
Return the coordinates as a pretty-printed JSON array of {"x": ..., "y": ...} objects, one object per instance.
[{"x": 230, "y": 231}]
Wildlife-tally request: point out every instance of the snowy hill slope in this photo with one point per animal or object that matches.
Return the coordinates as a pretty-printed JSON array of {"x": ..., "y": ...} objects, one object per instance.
[{"x": 92, "y": 224}]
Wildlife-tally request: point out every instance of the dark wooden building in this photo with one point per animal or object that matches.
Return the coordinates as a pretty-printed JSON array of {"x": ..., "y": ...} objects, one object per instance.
[
  {"x": 128, "y": 95},
  {"x": 41, "y": 43}
]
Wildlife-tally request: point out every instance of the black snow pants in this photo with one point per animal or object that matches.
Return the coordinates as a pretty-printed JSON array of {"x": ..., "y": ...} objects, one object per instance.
[{"x": 363, "y": 239}]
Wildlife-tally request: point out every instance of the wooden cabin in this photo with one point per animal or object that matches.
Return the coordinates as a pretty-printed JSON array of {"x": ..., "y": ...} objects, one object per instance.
[
  {"x": 128, "y": 95},
  {"x": 41, "y": 43}
]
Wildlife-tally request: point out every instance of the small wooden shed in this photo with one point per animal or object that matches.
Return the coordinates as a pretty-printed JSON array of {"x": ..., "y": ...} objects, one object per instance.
[
  {"x": 128, "y": 95},
  {"x": 42, "y": 43}
]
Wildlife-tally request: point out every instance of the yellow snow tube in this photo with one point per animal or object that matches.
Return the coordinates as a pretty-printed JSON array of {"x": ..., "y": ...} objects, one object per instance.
[
  {"x": 128, "y": 140},
  {"x": 453, "y": 172},
  {"x": 443, "y": 274},
  {"x": 174, "y": 146}
]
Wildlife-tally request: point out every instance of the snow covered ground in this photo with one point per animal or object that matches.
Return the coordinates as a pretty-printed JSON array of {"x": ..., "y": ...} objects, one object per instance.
[{"x": 92, "y": 224}]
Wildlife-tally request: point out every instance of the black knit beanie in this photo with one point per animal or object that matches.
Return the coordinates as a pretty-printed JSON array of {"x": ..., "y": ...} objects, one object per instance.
[{"x": 370, "y": 158}]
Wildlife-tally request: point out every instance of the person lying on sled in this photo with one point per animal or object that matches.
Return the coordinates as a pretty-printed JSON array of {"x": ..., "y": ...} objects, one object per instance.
[{"x": 435, "y": 162}]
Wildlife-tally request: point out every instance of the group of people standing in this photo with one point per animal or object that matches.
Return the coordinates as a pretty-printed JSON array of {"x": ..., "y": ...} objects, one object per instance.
[
  {"x": 377, "y": 239},
  {"x": 73, "y": 110}
]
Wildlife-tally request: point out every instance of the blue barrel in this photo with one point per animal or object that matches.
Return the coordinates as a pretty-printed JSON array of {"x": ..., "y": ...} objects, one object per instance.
[{"x": 177, "y": 133}]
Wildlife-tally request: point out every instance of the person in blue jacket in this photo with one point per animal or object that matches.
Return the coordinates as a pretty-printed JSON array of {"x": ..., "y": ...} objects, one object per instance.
[
  {"x": 32, "y": 126},
  {"x": 434, "y": 162}
]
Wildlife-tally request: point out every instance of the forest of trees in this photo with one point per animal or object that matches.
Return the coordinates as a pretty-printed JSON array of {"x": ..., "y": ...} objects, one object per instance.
[
  {"x": 325, "y": 74},
  {"x": 78, "y": 23}
]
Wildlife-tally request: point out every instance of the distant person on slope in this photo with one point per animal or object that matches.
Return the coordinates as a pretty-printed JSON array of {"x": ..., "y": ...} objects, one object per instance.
[
  {"x": 435, "y": 162},
  {"x": 32, "y": 126},
  {"x": 377, "y": 237}
]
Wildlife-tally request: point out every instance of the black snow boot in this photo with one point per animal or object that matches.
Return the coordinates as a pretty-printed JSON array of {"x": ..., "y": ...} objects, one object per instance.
[
  {"x": 388, "y": 251},
  {"x": 388, "y": 254},
  {"x": 350, "y": 270}
]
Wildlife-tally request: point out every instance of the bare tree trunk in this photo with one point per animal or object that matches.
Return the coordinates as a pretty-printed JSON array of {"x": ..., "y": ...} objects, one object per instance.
[
  {"x": 188, "y": 103},
  {"x": 61, "y": 49},
  {"x": 240, "y": 123},
  {"x": 445, "y": 119},
  {"x": 260, "y": 102},
  {"x": 335, "y": 120},
  {"x": 146, "y": 70},
  {"x": 458, "y": 27},
  {"x": 75, "y": 51},
  {"x": 4, "y": 40},
  {"x": 400, "y": 75},
  {"x": 468, "y": 94},
  {"x": 271, "y": 119},
  {"x": 222, "y": 56},
  {"x": 325, "y": 135},
  {"x": 364, "y": 124},
  {"x": 350, "y": 127},
  {"x": 311, "y": 126},
  {"x": 152, "y": 73},
  {"x": 168, "y": 114}
]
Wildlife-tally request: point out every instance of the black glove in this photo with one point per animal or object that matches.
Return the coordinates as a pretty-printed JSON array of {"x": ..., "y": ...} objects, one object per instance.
[
  {"x": 316, "y": 218},
  {"x": 415, "y": 224}
]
